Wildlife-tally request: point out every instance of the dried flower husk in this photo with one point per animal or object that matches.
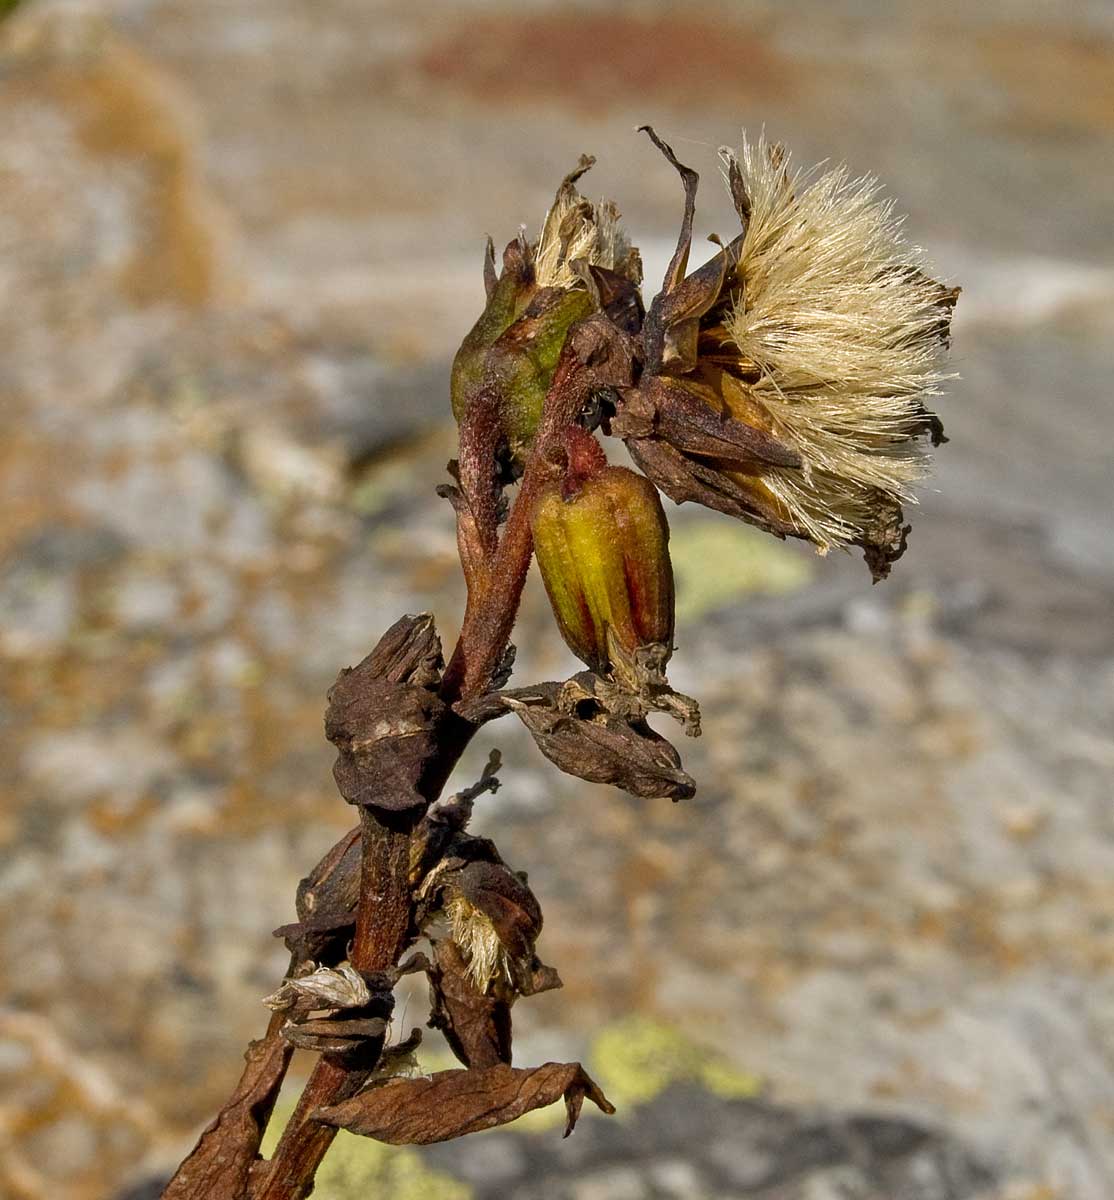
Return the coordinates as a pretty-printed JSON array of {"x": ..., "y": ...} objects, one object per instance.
[
  {"x": 602, "y": 545},
  {"x": 476, "y": 1024},
  {"x": 813, "y": 341},
  {"x": 387, "y": 722},
  {"x": 494, "y": 917},
  {"x": 587, "y": 740}
]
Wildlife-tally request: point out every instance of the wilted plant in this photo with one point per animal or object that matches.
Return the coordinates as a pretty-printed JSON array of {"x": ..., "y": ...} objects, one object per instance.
[{"x": 783, "y": 382}]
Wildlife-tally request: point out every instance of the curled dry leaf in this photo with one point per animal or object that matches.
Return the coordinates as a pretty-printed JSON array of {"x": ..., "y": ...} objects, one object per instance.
[
  {"x": 388, "y": 735},
  {"x": 326, "y": 905},
  {"x": 220, "y": 1164},
  {"x": 449, "y": 1104}
]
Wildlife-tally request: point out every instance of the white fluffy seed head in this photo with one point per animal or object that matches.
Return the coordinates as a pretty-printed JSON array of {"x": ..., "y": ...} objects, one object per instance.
[{"x": 845, "y": 326}]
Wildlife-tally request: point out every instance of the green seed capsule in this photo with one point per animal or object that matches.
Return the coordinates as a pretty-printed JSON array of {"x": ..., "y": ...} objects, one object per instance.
[{"x": 602, "y": 545}]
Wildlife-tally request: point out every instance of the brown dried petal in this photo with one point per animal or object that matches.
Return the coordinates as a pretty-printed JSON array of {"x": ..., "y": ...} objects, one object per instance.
[
  {"x": 606, "y": 749},
  {"x": 449, "y": 1104}
]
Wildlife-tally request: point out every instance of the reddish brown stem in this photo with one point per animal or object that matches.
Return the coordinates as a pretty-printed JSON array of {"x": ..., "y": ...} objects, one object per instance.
[
  {"x": 496, "y": 574},
  {"x": 493, "y": 596},
  {"x": 382, "y": 934}
]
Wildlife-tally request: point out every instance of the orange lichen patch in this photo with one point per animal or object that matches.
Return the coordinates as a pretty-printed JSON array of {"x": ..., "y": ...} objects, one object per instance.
[
  {"x": 130, "y": 114},
  {"x": 1055, "y": 80},
  {"x": 596, "y": 60}
]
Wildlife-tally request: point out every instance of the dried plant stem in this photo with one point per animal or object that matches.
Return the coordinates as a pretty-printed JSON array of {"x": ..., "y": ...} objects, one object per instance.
[
  {"x": 494, "y": 591},
  {"x": 382, "y": 934}
]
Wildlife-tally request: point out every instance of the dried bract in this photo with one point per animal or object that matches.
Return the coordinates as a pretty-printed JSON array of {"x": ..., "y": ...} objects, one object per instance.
[{"x": 600, "y": 746}]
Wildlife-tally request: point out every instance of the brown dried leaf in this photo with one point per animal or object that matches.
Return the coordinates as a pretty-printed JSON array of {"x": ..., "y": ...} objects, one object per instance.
[
  {"x": 449, "y": 1104},
  {"x": 332, "y": 888},
  {"x": 682, "y": 478},
  {"x": 219, "y": 1166},
  {"x": 388, "y": 735},
  {"x": 667, "y": 409}
]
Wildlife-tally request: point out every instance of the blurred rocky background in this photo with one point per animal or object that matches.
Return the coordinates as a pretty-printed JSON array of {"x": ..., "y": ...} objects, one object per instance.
[{"x": 239, "y": 241}]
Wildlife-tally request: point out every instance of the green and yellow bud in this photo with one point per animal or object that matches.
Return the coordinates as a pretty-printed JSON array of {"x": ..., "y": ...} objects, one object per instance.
[
  {"x": 581, "y": 261},
  {"x": 508, "y": 297},
  {"x": 602, "y": 545},
  {"x": 522, "y": 362}
]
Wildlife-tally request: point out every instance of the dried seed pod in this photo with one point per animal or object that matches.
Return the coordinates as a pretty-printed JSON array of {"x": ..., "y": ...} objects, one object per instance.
[
  {"x": 600, "y": 746},
  {"x": 602, "y": 544}
]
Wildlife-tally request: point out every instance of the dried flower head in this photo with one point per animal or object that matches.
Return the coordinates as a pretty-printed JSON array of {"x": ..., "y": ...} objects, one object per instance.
[
  {"x": 844, "y": 327},
  {"x": 786, "y": 380}
]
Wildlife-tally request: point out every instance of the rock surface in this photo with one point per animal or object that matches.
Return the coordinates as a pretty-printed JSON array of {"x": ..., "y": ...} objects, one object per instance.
[{"x": 239, "y": 242}]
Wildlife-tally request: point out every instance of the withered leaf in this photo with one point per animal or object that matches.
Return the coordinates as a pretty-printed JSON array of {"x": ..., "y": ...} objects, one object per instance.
[
  {"x": 326, "y": 904},
  {"x": 449, "y": 1104},
  {"x": 388, "y": 735},
  {"x": 332, "y": 888},
  {"x": 667, "y": 409},
  {"x": 683, "y": 478},
  {"x": 219, "y": 1166}
]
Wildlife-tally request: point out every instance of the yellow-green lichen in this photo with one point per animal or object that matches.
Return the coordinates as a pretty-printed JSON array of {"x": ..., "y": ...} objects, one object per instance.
[
  {"x": 716, "y": 562},
  {"x": 356, "y": 1166},
  {"x": 635, "y": 1059}
]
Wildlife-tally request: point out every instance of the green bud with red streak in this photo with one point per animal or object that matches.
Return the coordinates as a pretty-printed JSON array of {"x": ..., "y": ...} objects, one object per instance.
[
  {"x": 602, "y": 545},
  {"x": 508, "y": 296}
]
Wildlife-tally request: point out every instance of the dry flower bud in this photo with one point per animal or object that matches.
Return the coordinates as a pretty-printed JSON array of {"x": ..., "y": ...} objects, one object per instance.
[
  {"x": 581, "y": 263},
  {"x": 602, "y": 544}
]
